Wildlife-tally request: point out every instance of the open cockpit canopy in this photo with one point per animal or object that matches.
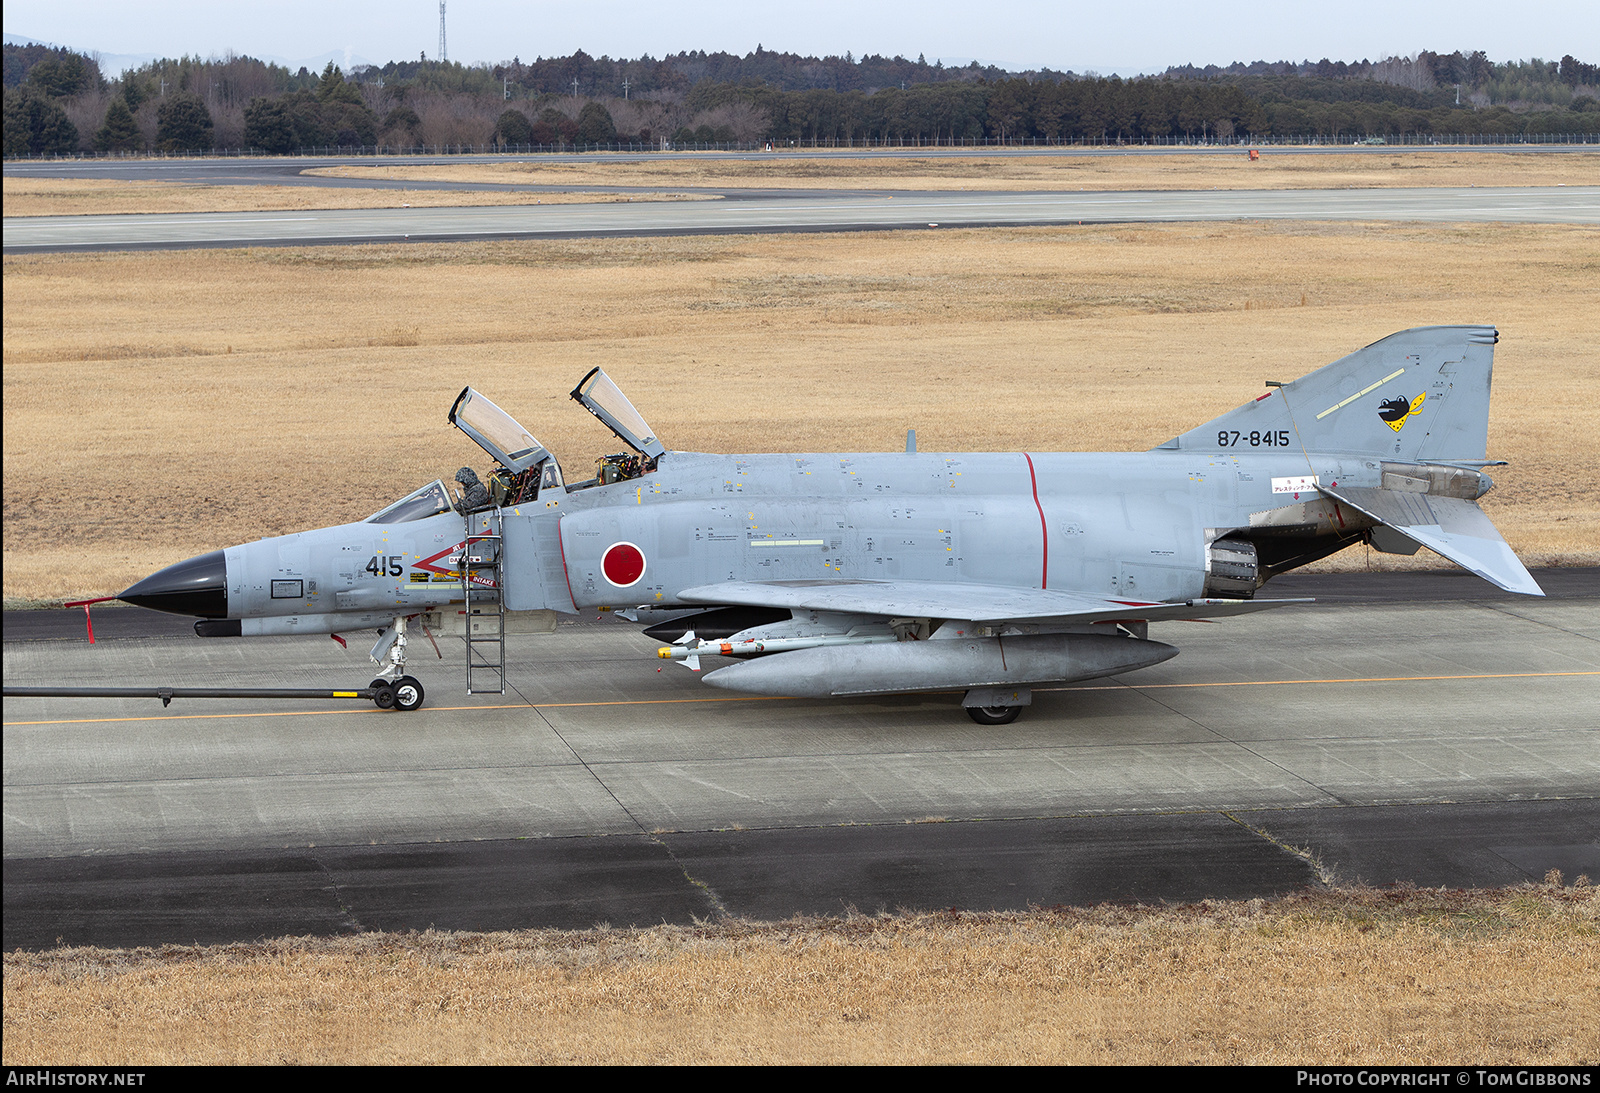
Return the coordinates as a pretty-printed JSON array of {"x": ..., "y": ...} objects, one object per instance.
[
  {"x": 605, "y": 400},
  {"x": 497, "y": 432},
  {"x": 529, "y": 466}
]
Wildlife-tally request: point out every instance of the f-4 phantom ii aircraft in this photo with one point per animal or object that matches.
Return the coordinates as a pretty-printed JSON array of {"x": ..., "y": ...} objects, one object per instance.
[{"x": 886, "y": 573}]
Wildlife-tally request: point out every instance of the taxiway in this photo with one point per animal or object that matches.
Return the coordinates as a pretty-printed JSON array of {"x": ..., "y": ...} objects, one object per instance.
[{"x": 1452, "y": 737}]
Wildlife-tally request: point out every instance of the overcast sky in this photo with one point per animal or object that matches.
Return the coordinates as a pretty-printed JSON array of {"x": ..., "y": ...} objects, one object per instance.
[{"x": 1125, "y": 37}]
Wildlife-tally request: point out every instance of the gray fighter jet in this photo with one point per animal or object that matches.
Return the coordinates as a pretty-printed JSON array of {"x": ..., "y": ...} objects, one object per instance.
[{"x": 884, "y": 573}]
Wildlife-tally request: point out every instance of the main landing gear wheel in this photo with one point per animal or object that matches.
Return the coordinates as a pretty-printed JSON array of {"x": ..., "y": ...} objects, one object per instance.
[
  {"x": 408, "y": 693},
  {"x": 993, "y": 715}
]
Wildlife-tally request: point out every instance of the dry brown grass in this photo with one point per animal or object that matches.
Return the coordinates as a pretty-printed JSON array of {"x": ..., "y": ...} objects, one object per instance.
[
  {"x": 1134, "y": 171},
  {"x": 85, "y": 196},
  {"x": 159, "y": 405},
  {"x": 1354, "y": 977}
]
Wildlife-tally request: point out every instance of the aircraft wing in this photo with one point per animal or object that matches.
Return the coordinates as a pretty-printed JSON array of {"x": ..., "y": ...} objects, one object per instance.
[
  {"x": 1450, "y": 526},
  {"x": 968, "y": 602}
]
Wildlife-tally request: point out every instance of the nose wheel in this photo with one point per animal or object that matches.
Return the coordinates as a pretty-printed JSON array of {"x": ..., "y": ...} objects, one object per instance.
[{"x": 404, "y": 694}]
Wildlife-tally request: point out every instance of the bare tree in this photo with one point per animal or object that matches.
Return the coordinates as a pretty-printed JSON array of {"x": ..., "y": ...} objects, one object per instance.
[
  {"x": 379, "y": 100},
  {"x": 635, "y": 116},
  {"x": 455, "y": 119},
  {"x": 748, "y": 122},
  {"x": 1403, "y": 72},
  {"x": 87, "y": 111},
  {"x": 564, "y": 104},
  {"x": 227, "y": 122},
  {"x": 148, "y": 122}
]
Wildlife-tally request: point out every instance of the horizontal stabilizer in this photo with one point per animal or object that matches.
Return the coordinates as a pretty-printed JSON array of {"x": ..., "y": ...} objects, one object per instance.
[
  {"x": 1449, "y": 526},
  {"x": 970, "y": 602}
]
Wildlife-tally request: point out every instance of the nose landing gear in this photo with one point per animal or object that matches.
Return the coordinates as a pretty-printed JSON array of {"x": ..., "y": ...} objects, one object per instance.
[
  {"x": 394, "y": 690},
  {"x": 404, "y": 694}
]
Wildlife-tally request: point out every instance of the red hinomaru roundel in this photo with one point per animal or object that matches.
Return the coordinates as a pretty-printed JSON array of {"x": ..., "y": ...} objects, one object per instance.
[{"x": 623, "y": 564}]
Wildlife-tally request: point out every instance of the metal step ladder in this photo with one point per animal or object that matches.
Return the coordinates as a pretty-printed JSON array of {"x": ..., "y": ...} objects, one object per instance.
[{"x": 480, "y": 567}]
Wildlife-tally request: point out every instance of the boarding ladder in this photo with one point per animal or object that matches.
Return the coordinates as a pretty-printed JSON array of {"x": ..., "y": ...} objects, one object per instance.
[{"x": 483, "y": 590}]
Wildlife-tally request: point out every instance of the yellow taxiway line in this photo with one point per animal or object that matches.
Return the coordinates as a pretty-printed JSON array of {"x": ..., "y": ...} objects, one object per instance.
[{"x": 775, "y": 698}]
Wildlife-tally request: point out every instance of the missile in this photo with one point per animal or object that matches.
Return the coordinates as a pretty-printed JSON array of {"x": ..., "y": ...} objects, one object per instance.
[
  {"x": 953, "y": 664},
  {"x": 689, "y": 649}
]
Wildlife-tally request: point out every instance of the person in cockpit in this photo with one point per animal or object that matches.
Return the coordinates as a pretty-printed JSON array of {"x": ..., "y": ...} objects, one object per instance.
[{"x": 474, "y": 494}]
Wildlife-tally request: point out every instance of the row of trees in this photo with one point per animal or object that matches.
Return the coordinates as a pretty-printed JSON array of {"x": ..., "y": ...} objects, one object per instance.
[
  {"x": 676, "y": 74},
  {"x": 332, "y": 112},
  {"x": 36, "y": 124},
  {"x": 60, "y": 103},
  {"x": 1424, "y": 71}
]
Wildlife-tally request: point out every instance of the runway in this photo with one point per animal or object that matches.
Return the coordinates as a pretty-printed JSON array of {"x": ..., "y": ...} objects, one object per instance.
[
  {"x": 287, "y": 170},
  {"x": 1449, "y": 737},
  {"x": 792, "y": 213}
]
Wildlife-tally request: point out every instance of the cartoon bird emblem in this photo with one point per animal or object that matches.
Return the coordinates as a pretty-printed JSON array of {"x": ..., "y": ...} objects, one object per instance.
[{"x": 1394, "y": 411}]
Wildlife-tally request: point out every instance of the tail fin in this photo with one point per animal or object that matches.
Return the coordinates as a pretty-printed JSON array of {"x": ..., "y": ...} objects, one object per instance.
[{"x": 1417, "y": 396}]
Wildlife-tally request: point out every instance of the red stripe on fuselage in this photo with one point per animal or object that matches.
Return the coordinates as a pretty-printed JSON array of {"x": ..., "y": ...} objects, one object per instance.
[
  {"x": 562, "y": 547},
  {"x": 1044, "y": 529}
]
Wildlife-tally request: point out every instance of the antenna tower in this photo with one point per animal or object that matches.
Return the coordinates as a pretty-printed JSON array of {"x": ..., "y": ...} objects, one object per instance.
[{"x": 443, "y": 56}]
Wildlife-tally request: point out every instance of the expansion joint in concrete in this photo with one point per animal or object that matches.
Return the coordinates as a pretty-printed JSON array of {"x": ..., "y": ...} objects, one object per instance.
[
  {"x": 1325, "y": 876},
  {"x": 714, "y": 901},
  {"x": 1506, "y": 609},
  {"x": 351, "y": 923}
]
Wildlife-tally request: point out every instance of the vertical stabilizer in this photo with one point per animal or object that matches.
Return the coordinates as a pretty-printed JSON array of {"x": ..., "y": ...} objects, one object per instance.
[{"x": 1416, "y": 396}]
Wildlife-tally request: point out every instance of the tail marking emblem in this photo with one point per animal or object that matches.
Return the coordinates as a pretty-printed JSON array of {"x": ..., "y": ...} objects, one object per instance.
[{"x": 1395, "y": 411}]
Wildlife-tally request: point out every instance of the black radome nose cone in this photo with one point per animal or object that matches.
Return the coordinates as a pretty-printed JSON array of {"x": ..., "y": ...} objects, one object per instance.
[{"x": 198, "y": 586}]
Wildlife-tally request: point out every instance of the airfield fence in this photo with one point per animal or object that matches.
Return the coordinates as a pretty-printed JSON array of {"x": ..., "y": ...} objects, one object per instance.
[{"x": 1441, "y": 140}]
